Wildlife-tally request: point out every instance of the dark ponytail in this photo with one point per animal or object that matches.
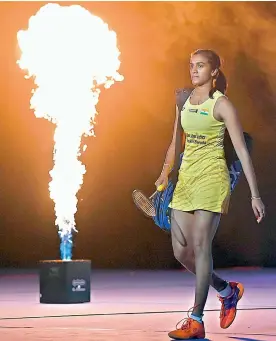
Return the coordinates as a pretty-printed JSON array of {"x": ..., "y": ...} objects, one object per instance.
[{"x": 219, "y": 82}]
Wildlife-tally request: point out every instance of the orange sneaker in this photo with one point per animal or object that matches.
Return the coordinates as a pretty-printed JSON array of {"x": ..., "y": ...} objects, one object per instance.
[
  {"x": 190, "y": 330},
  {"x": 229, "y": 305}
]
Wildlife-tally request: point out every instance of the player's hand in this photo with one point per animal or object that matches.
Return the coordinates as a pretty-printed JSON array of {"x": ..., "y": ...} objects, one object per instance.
[
  {"x": 259, "y": 209},
  {"x": 162, "y": 182}
]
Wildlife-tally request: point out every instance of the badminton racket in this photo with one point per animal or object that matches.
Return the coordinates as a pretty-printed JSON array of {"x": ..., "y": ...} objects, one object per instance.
[{"x": 145, "y": 203}]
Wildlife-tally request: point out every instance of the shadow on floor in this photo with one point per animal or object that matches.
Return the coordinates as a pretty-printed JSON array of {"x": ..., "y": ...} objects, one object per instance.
[{"x": 244, "y": 338}]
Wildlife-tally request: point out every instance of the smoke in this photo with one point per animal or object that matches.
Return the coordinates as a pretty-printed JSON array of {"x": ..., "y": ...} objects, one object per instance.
[{"x": 243, "y": 34}]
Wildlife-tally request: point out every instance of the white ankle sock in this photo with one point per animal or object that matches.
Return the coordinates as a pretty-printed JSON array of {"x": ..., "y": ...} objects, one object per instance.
[{"x": 226, "y": 292}]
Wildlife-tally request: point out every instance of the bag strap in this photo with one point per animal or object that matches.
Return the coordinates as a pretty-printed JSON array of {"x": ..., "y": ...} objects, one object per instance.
[{"x": 181, "y": 97}]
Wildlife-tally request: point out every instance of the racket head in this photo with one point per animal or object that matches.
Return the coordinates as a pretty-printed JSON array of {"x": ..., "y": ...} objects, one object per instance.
[{"x": 143, "y": 203}]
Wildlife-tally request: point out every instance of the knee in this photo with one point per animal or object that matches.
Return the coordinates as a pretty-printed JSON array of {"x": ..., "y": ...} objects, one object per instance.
[
  {"x": 202, "y": 245},
  {"x": 184, "y": 255},
  {"x": 178, "y": 253}
]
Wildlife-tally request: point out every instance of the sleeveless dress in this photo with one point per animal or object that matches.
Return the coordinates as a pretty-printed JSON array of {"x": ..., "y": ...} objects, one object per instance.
[{"x": 203, "y": 179}]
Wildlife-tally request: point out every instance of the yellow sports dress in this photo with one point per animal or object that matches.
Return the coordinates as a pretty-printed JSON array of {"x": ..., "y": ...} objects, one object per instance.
[{"x": 203, "y": 180}]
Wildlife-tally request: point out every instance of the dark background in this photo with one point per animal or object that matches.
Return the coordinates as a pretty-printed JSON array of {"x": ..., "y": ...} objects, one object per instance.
[{"x": 133, "y": 131}]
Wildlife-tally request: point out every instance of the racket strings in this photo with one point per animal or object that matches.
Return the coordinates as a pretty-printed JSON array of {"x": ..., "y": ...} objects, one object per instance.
[{"x": 143, "y": 203}]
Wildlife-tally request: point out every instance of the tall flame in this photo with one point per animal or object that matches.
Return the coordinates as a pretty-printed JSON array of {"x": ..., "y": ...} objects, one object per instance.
[{"x": 69, "y": 52}]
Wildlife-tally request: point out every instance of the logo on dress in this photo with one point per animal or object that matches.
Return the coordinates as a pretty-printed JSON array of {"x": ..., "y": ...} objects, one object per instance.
[
  {"x": 193, "y": 110},
  {"x": 204, "y": 112}
]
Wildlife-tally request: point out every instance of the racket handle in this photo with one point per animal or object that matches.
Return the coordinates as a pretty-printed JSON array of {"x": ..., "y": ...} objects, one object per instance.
[
  {"x": 160, "y": 188},
  {"x": 153, "y": 195}
]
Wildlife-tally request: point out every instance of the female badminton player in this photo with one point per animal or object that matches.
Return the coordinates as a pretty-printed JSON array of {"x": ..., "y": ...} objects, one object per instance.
[{"x": 202, "y": 192}]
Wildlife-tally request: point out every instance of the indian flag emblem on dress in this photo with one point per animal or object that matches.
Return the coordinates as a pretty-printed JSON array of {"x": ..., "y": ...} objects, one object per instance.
[{"x": 204, "y": 112}]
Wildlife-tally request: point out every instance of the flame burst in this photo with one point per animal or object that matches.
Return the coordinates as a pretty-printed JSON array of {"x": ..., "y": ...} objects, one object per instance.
[{"x": 69, "y": 52}]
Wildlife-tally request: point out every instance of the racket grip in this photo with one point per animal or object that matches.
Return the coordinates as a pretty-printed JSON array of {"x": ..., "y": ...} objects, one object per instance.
[{"x": 160, "y": 188}]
